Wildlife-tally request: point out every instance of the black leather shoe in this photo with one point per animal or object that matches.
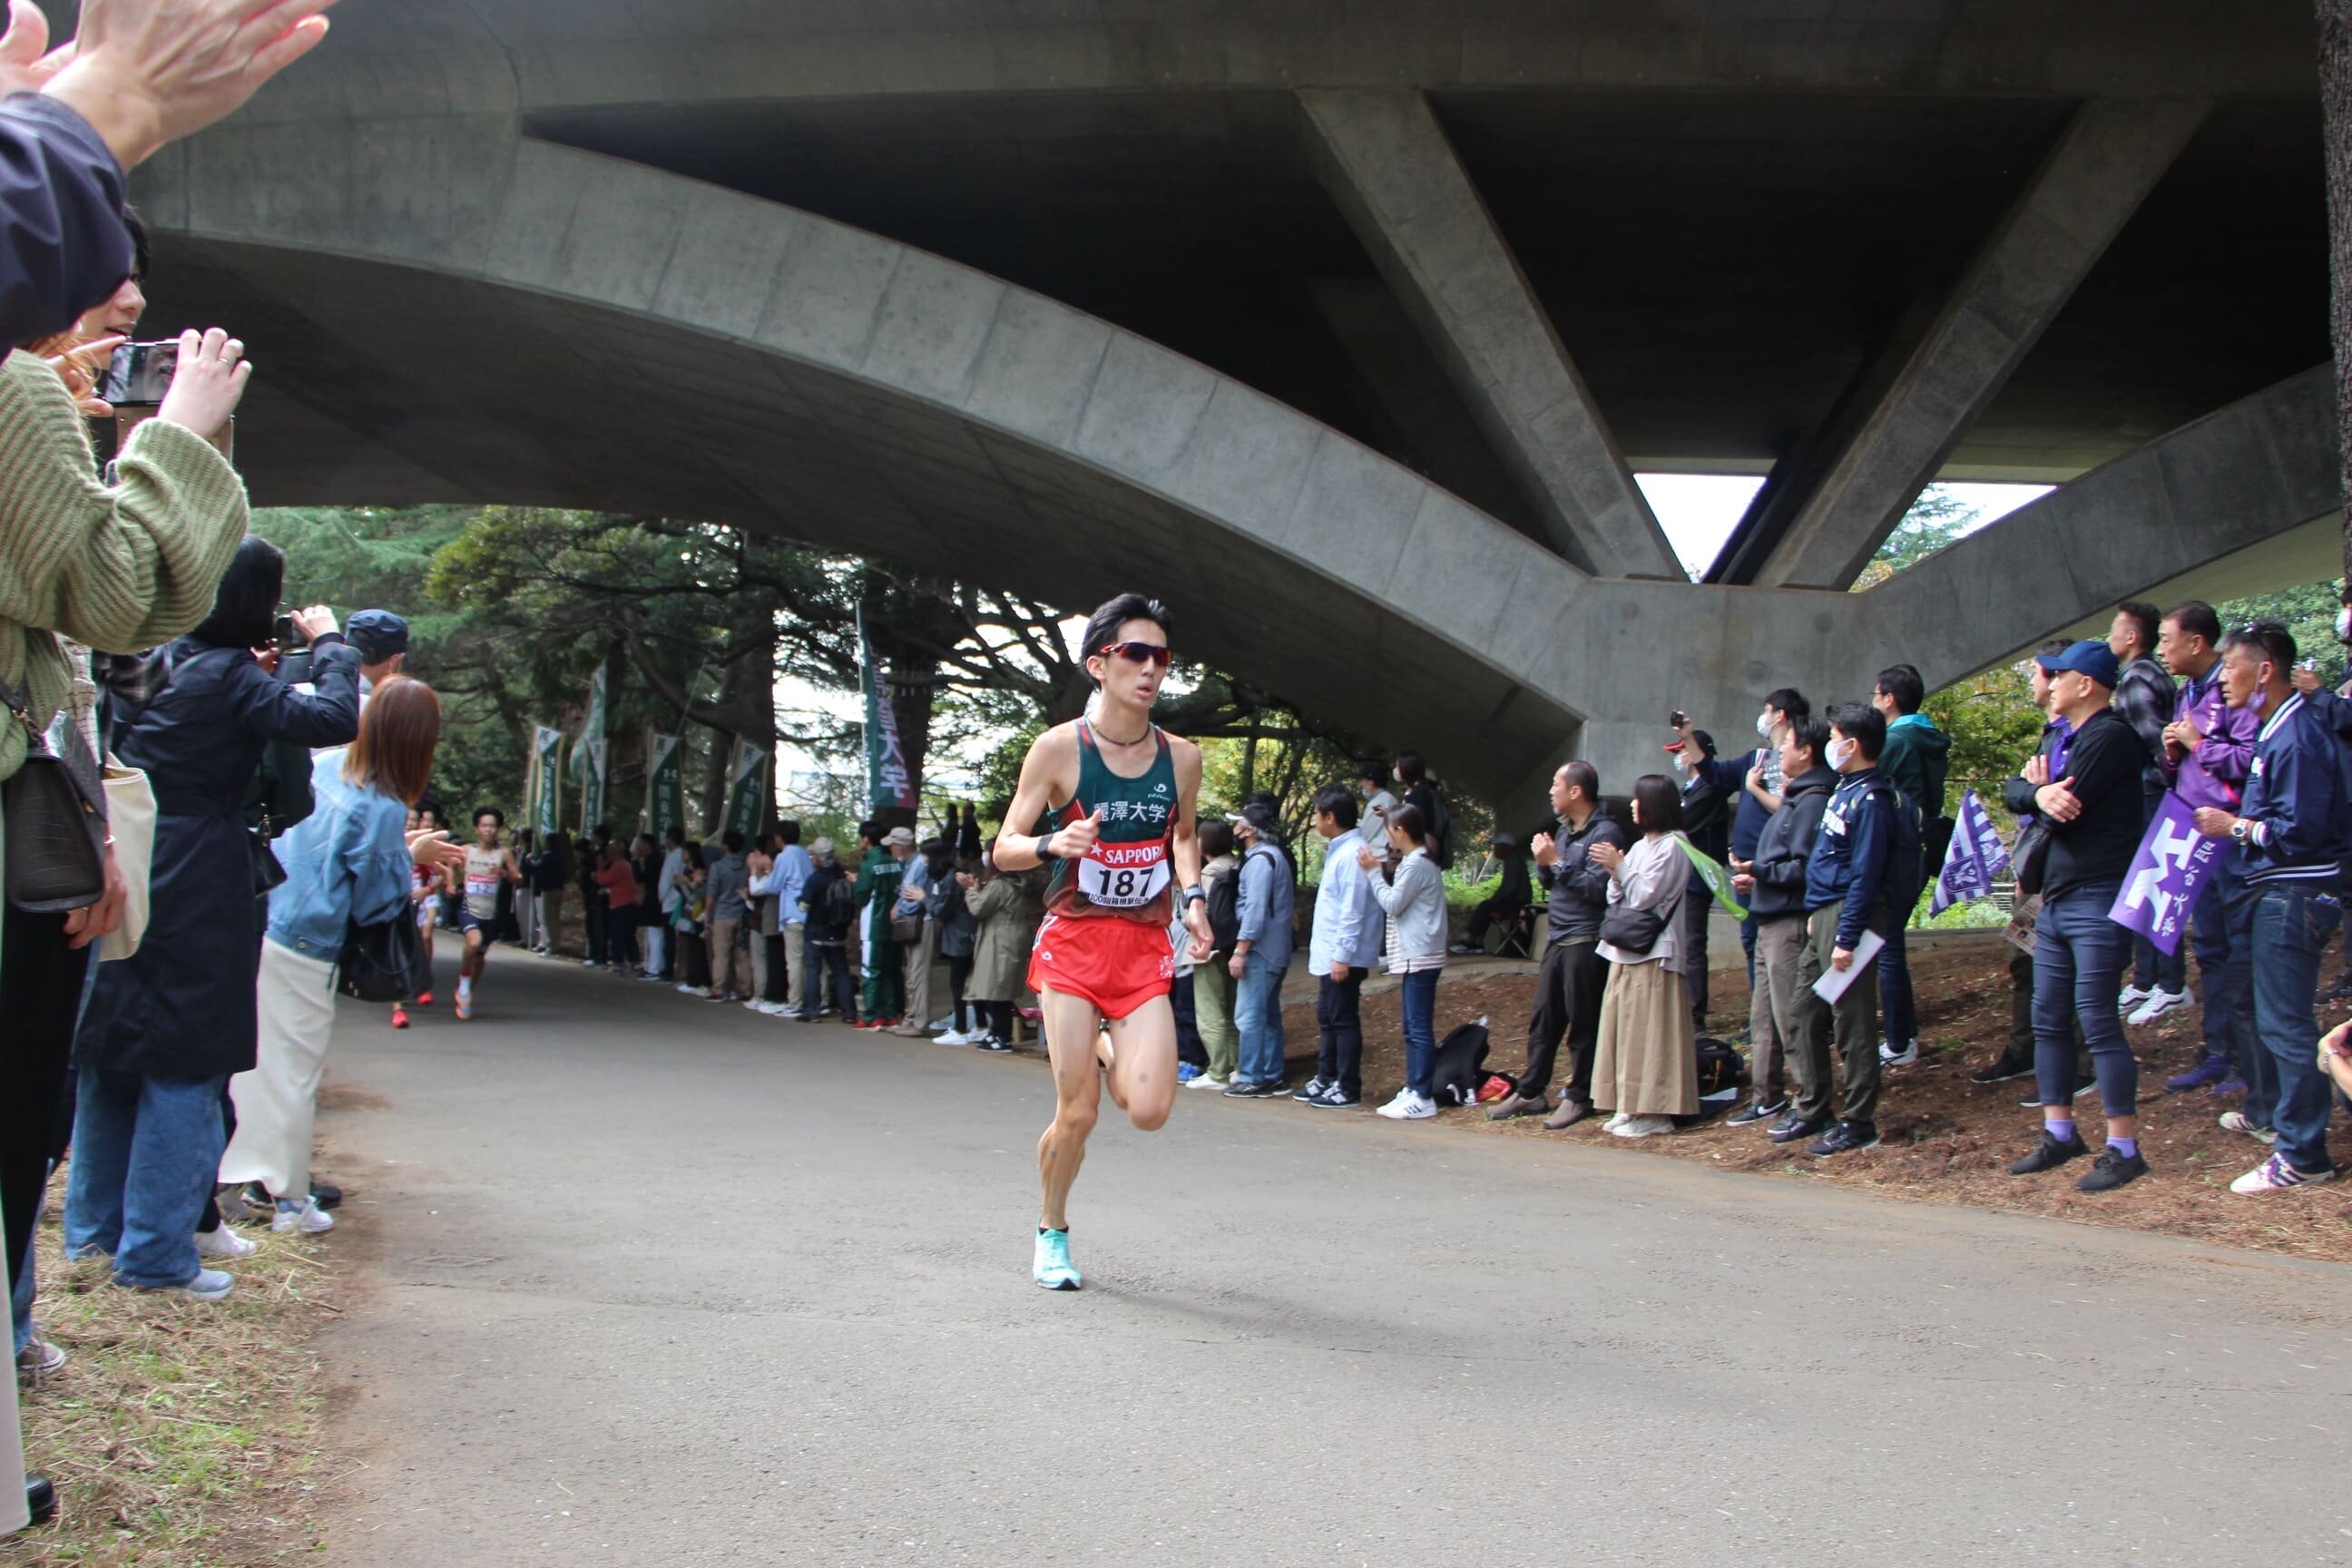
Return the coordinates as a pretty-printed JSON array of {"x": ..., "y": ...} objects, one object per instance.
[
  {"x": 2048, "y": 1155},
  {"x": 326, "y": 1194},
  {"x": 40, "y": 1500},
  {"x": 1845, "y": 1138},
  {"x": 1795, "y": 1129},
  {"x": 2003, "y": 1070}
]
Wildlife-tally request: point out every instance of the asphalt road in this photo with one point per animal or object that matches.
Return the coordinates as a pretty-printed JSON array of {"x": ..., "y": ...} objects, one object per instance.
[{"x": 649, "y": 1281}]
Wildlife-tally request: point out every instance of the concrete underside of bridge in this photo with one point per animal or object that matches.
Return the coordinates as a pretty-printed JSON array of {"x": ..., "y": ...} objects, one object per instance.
[{"x": 1341, "y": 325}]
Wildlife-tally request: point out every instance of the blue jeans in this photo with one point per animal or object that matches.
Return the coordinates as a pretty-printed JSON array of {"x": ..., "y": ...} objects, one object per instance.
[
  {"x": 1899, "y": 1019},
  {"x": 146, "y": 1151},
  {"x": 2222, "y": 964},
  {"x": 1420, "y": 998},
  {"x": 2288, "y": 923},
  {"x": 2078, "y": 972},
  {"x": 1257, "y": 1021}
]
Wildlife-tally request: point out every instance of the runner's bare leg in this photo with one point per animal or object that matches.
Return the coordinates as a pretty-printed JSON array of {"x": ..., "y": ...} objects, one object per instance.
[
  {"x": 1143, "y": 1078},
  {"x": 1070, "y": 1029}
]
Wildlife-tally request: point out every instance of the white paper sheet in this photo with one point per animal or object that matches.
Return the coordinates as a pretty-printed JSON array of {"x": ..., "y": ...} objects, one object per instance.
[{"x": 1833, "y": 982}]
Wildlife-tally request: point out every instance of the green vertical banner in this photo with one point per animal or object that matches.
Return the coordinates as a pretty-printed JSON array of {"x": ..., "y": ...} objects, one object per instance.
[
  {"x": 588, "y": 755},
  {"x": 665, "y": 785},
  {"x": 886, "y": 783},
  {"x": 546, "y": 751},
  {"x": 747, "y": 807}
]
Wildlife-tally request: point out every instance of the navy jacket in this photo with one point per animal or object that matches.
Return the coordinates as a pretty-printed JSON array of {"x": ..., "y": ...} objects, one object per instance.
[
  {"x": 1579, "y": 887},
  {"x": 1850, "y": 859},
  {"x": 1783, "y": 857},
  {"x": 182, "y": 1007},
  {"x": 64, "y": 248},
  {"x": 1729, "y": 775},
  {"x": 2296, "y": 799}
]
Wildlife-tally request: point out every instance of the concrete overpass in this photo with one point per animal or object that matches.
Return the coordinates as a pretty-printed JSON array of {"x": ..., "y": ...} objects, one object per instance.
[{"x": 1344, "y": 325}]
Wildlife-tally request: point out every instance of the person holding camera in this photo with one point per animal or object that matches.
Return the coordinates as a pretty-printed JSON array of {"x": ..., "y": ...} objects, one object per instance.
[{"x": 167, "y": 1027}]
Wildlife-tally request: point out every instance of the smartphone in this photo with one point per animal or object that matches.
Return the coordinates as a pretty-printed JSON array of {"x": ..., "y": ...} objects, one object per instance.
[
  {"x": 1677, "y": 719},
  {"x": 139, "y": 374}
]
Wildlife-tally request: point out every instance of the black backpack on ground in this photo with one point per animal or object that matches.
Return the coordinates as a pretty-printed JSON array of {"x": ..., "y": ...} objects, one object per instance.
[
  {"x": 1720, "y": 1067},
  {"x": 1461, "y": 1066}
]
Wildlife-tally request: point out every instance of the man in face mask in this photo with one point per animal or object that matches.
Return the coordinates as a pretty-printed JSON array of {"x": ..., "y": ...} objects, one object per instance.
[
  {"x": 1706, "y": 823},
  {"x": 1753, "y": 779}
]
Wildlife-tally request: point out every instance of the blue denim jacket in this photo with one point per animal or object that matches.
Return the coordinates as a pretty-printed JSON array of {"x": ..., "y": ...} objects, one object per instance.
[{"x": 348, "y": 860}]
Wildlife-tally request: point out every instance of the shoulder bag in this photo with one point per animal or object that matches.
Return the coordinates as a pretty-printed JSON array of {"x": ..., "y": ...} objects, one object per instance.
[
  {"x": 1637, "y": 930},
  {"x": 55, "y": 809},
  {"x": 381, "y": 962},
  {"x": 130, "y": 814}
]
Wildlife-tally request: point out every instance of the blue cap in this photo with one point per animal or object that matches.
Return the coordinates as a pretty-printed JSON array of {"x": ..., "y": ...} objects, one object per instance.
[
  {"x": 2090, "y": 657},
  {"x": 378, "y": 635}
]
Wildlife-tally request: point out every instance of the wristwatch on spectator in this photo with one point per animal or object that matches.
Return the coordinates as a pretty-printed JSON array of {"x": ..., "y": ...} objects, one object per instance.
[{"x": 2241, "y": 830}]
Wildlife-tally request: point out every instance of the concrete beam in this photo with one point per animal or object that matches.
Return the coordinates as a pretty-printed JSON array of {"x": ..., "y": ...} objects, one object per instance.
[
  {"x": 2229, "y": 483},
  {"x": 2111, "y": 155},
  {"x": 1387, "y": 163}
]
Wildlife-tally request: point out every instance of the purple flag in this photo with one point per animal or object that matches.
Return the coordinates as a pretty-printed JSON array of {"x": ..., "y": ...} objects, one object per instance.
[{"x": 2173, "y": 862}]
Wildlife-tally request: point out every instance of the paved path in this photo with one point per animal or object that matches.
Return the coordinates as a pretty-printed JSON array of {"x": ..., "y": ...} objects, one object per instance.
[{"x": 656, "y": 1282}]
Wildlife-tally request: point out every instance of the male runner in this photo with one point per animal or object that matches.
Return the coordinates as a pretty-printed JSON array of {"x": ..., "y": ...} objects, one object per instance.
[
  {"x": 486, "y": 861},
  {"x": 1121, "y": 797}
]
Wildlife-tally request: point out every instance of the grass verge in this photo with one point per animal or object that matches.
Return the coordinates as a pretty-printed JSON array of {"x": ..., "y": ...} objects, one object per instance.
[{"x": 182, "y": 1435}]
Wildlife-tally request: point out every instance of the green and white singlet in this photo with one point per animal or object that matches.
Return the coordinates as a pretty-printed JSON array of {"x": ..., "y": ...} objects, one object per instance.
[{"x": 1129, "y": 872}]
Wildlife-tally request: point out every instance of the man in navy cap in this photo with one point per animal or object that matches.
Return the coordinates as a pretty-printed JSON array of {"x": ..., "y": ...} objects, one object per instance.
[
  {"x": 2084, "y": 785},
  {"x": 381, "y": 639}
]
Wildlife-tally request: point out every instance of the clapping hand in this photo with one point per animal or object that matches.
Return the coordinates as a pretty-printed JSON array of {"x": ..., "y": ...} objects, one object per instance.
[
  {"x": 1545, "y": 848},
  {"x": 1608, "y": 856}
]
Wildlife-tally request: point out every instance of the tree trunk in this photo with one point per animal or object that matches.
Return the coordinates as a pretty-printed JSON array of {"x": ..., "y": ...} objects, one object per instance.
[
  {"x": 2335, "y": 104},
  {"x": 716, "y": 772}
]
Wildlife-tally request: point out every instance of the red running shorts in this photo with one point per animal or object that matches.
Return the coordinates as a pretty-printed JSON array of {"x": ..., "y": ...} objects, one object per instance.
[{"x": 1116, "y": 964}]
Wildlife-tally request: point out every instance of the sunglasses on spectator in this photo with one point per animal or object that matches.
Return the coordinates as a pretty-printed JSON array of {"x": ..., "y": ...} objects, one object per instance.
[{"x": 1152, "y": 653}]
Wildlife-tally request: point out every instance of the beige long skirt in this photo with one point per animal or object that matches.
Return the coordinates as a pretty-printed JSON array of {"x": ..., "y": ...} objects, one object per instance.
[
  {"x": 277, "y": 1101},
  {"x": 1646, "y": 1063}
]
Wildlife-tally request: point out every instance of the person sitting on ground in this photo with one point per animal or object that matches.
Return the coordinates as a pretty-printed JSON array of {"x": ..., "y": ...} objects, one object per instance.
[
  {"x": 1783, "y": 1011},
  {"x": 2146, "y": 699},
  {"x": 1918, "y": 758},
  {"x": 348, "y": 861},
  {"x": 831, "y": 910},
  {"x": 1513, "y": 894},
  {"x": 1213, "y": 983},
  {"x": 1571, "y": 977},
  {"x": 1260, "y": 955},
  {"x": 1342, "y": 947},
  {"x": 1846, "y": 881},
  {"x": 2085, "y": 790},
  {"x": 2287, "y": 838},
  {"x": 1755, "y": 777},
  {"x": 1645, "y": 1056},
  {"x": 1413, "y": 897}
]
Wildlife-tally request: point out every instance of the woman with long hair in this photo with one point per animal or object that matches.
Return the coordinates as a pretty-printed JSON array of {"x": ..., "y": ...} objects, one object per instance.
[
  {"x": 351, "y": 860},
  {"x": 1645, "y": 1064},
  {"x": 169, "y": 1025},
  {"x": 1413, "y": 897}
]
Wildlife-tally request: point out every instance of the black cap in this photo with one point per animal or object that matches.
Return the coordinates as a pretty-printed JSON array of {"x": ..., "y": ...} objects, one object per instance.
[{"x": 378, "y": 635}]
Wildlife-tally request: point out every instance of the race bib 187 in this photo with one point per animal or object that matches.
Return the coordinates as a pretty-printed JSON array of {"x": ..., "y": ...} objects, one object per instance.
[{"x": 1124, "y": 875}]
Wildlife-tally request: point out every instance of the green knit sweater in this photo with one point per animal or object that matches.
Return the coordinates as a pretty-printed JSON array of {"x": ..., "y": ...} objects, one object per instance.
[{"x": 122, "y": 569}]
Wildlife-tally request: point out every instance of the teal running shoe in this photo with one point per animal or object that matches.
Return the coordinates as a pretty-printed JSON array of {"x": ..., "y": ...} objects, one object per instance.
[{"x": 1053, "y": 1269}]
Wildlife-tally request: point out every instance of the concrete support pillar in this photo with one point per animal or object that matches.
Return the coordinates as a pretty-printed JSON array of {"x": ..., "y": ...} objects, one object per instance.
[
  {"x": 2110, "y": 157},
  {"x": 1386, "y": 161}
]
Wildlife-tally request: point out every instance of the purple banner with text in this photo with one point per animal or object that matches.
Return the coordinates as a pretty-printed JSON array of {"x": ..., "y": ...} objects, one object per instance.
[{"x": 2173, "y": 862}]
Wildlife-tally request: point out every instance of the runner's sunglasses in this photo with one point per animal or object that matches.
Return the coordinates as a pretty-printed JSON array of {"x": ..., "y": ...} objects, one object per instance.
[{"x": 1138, "y": 652}]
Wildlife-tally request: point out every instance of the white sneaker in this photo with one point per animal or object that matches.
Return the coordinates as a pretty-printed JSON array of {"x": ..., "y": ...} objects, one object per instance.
[
  {"x": 1888, "y": 1056},
  {"x": 955, "y": 1037},
  {"x": 309, "y": 1219},
  {"x": 1396, "y": 1109},
  {"x": 1419, "y": 1107},
  {"x": 2131, "y": 996},
  {"x": 224, "y": 1243},
  {"x": 2158, "y": 1003},
  {"x": 209, "y": 1285},
  {"x": 1645, "y": 1126},
  {"x": 2275, "y": 1175},
  {"x": 685, "y": 990},
  {"x": 755, "y": 1005},
  {"x": 1206, "y": 1080},
  {"x": 1616, "y": 1121}
]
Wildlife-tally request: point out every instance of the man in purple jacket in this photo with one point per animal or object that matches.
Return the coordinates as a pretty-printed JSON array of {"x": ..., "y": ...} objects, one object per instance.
[{"x": 2207, "y": 748}]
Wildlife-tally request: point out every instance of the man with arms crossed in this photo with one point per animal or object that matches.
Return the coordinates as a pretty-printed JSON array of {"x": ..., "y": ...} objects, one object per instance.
[{"x": 1122, "y": 848}]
